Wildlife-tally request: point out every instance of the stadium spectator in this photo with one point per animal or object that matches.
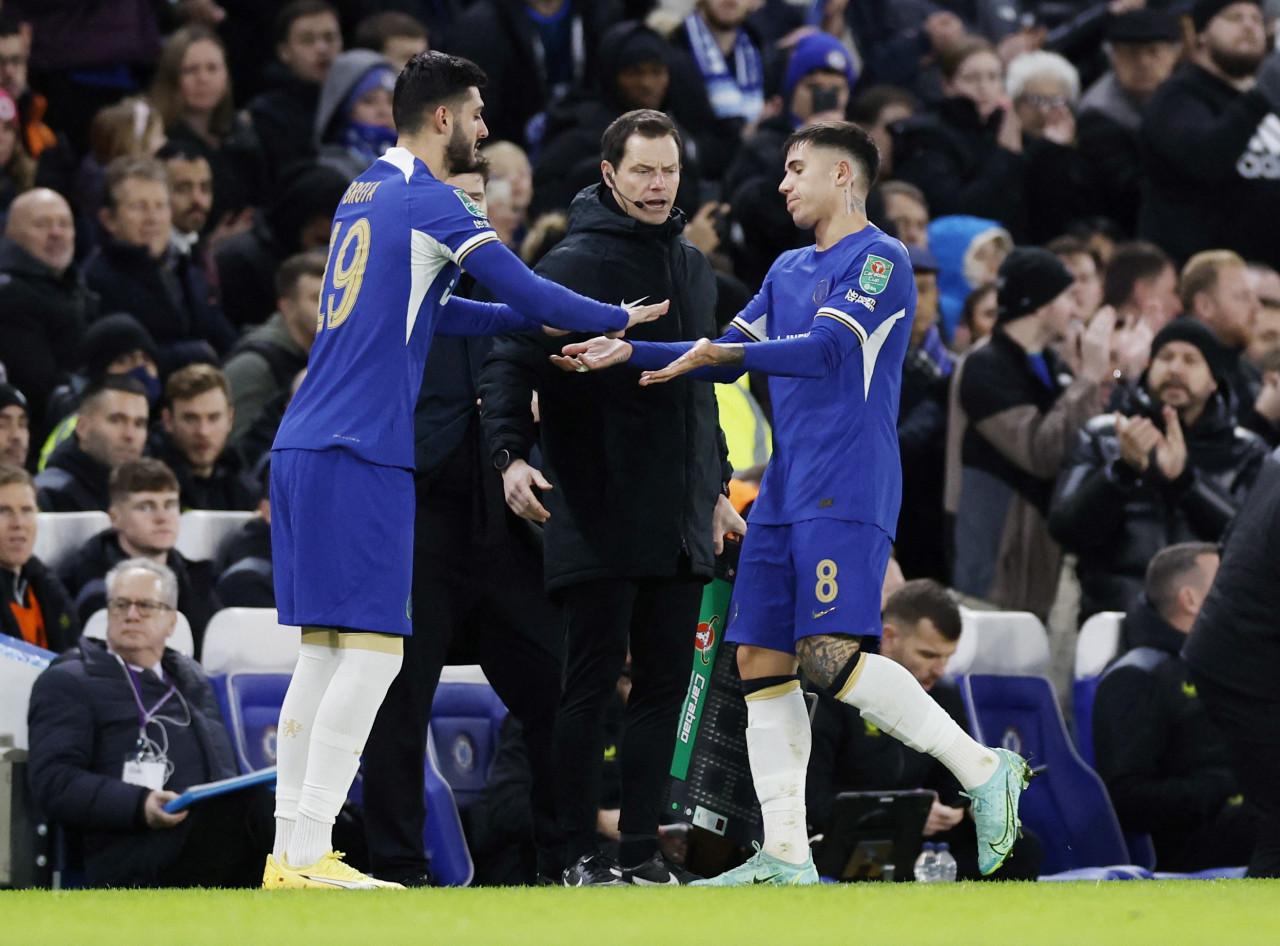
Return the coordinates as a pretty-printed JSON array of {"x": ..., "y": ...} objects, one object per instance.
[
  {"x": 1216, "y": 292},
  {"x": 134, "y": 270},
  {"x": 969, "y": 251},
  {"x": 129, "y": 128},
  {"x": 396, "y": 37},
  {"x": 1016, "y": 410},
  {"x": 876, "y": 109},
  {"x": 197, "y": 421},
  {"x": 243, "y": 563},
  {"x": 535, "y": 53},
  {"x": 296, "y": 220},
  {"x": 44, "y": 305},
  {"x": 113, "y": 344},
  {"x": 1265, "y": 338},
  {"x": 816, "y": 87},
  {"x": 907, "y": 212},
  {"x": 1234, "y": 658},
  {"x": 1168, "y": 465},
  {"x": 1166, "y": 766},
  {"x": 15, "y": 58},
  {"x": 966, "y": 154},
  {"x": 192, "y": 91},
  {"x": 635, "y": 68},
  {"x": 144, "y": 514},
  {"x": 977, "y": 318},
  {"x": 508, "y": 191},
  {"x": 1211, "y": 174},
  {"x": 1142, "y": 46},
  {"x": 15, "y": 427},
  {"x": 17, "y": 168},
  {"x": 354, "y": 126},
  {"x": 921, "y": 631},
  {"x": 111, "y": 429},
  {"x": 84, "y": 59},
  {"x": 920, "y": 546},
  {"x": 39, "y": 610},
  {"x": 633, "y": 517},
  {"x": 191, "y": 198},
  {"x": 307, "y": 42},
  {"x": 262, "y": 366},
  {"x": 1086, "y": 291},
  {"x": 90, "y": 772}
]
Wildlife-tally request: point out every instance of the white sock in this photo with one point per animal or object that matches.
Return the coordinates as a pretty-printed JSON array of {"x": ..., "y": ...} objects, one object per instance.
[
  {"x": 342, "y": 724},
  {"x": 891, "y": 699},
  {"x": 315, "y": 668},
  {"x": 778, "y": 741}
]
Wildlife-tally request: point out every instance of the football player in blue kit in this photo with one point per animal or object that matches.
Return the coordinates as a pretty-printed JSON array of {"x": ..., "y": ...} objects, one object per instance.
[
  {"x": 342, "y": 463},
  {"x": 830, "y": 325}
]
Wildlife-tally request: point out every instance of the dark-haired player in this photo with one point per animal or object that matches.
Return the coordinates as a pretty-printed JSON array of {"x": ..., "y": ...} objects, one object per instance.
[
  {"x": 342, "y": 465},
  {"x": 831, "y": 324}
]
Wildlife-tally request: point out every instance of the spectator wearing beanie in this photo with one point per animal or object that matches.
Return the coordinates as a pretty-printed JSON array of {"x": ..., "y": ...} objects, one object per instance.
[
  {"x": 1211, "y": 141},
  {"x": 1168, "y": 465},
  {"x": 1015, "y": 412},
  {"x": 15, "y": 432},
  {"x": 354, "y": 126}
]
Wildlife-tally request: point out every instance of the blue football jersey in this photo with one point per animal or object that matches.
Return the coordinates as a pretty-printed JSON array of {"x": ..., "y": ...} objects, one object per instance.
[
  {"x": 836, "y": 438},
  {"x": 398, "y": 239}
]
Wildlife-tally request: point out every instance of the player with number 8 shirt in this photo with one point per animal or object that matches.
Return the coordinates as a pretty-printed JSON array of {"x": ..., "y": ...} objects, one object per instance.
[
  {"x": 342, "y": 464},
  {"x": 830, "y": 326}
]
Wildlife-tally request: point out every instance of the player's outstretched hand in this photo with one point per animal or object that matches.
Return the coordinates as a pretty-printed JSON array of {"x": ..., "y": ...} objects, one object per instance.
[
  {"x": 645, "y": 313},
  {"x": 592, "y": 355},
  {"x": 519, "y": 480},
  {"x": 704, "y": 352}
]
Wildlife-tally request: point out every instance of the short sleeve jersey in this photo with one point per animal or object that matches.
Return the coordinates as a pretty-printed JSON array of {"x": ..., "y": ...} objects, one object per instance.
[
  {"x": 398, "y": 240},
  {"x": 836, "y": 438}
]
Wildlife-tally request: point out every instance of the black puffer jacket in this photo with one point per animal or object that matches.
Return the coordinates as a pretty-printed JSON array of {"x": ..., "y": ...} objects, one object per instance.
[
  {"x": 61, "y": 625},
  {"x": 1165, "y": 765},
  {"x": 1115, "y": 521},
  {"x": 636, "y": 471},
  {"x": 83, "y": 722}
]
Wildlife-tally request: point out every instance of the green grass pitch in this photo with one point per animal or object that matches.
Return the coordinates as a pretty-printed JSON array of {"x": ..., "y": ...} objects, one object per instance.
[{"x": 1161, "y": 913}]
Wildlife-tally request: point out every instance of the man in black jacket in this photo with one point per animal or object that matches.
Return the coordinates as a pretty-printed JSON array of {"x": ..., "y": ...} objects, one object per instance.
[
  {"x": 136, "y": 270},
  {"x": 1234, "y": 655},
  {"x": 144, "y": 524},
  {"x": 111, "y": 429},
  {"x": 632, "y": 489},
  {"x": 1165, "y": 765},
  {"x": 118, "y": 731},
  {"x": 1170, "y": 466},
  {"x": 37, "y": 608},
  {"x": 1210, "y": 141},
  {"x": 44, "y": 305}
]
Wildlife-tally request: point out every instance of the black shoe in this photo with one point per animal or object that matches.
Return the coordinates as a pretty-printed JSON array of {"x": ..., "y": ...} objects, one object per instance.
[
  {"x": 408, "y": 877},
  {"x": 594, "y": 870},
  {"x": 658, "y": 871}
]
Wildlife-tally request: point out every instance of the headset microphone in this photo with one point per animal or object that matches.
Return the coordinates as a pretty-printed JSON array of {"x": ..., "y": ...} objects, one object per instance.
[{"x": 613, "y": 186}]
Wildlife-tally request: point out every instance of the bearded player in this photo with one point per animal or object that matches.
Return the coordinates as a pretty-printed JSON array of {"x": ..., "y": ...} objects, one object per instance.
[
  {"x": 342, "y": 463},
  {"x": 831, "y": 325}
]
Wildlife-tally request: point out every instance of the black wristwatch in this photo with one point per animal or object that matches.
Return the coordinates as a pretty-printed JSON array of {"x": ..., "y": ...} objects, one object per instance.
[{"x": 502, "y": 459}]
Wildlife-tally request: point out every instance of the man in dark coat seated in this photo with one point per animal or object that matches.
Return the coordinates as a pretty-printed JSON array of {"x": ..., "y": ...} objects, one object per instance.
[{"x": 119, "y": 730}]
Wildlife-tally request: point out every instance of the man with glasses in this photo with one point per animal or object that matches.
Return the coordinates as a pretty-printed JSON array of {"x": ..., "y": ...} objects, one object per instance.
[
  {"x": 120, "y": 729},
  {"x": 144, "y": 524}
]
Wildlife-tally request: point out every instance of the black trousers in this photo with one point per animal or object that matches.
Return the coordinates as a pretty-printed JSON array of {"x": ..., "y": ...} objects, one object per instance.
[
  {"x": 228, "y": 840},
  {"x": 658, "y": 618},
  {"x": 1251, "y": 728},
  {"x": 483, "y": 603}
]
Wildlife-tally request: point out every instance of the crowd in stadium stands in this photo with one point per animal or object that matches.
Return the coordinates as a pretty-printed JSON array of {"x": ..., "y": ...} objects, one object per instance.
[{"x": 168, "y": 175}]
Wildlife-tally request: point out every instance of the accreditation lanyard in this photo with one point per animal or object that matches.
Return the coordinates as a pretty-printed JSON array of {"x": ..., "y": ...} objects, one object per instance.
[{"x": 146, "y": 715}]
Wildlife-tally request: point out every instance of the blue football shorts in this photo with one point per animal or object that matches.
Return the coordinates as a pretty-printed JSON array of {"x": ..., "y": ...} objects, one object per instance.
[
  {"x": 819, "y": 576},
  {"x": 341, "y": 541}
]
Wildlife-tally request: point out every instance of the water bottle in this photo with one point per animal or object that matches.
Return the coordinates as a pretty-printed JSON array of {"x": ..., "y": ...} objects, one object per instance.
[
  {"x": 925, "y": 870},
  {"x": 946, "y": 864}
]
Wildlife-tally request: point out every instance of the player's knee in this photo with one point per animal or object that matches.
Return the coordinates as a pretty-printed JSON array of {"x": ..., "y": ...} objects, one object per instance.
[
  {"x": 763, "y": 662},
  {"x": 827, "y": 659}
]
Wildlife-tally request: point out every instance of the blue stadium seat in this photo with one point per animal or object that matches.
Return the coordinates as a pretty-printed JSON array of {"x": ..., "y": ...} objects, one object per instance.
[
  {"x": 465, "y": 718},
  {"x": 1067, "y": 805},
  {"x": 1083, "y": 693},
  {"x": 442, "y": 836},
  {"x": 252, "y": 712}
]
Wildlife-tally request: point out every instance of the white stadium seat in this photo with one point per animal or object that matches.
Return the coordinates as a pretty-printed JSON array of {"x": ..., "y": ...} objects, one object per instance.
[
  {"x": 1098, "y": 644},
  {"x": 239, "y": 640},
  {"x": 1005, "y": 643},
  {"x": 201, "y": 531},
  {"x": 20, "y": 664},
  {"x": 58, "y": 534},
  {"x": 181, "y": 641}
]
